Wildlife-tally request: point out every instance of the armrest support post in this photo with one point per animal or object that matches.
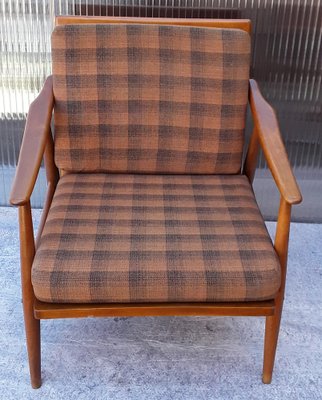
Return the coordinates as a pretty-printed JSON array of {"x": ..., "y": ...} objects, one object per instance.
[
  {"x": 251, "y": 157},
  {"x": 282, "y": 237},
  {"x": 52, "y": 173},
  {"x": 27, "y": 247}
]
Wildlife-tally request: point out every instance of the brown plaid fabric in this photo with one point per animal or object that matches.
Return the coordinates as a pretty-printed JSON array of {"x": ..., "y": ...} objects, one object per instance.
[
  {"x": 162, "y": 238},
  {"x": 149, "y": 99}
]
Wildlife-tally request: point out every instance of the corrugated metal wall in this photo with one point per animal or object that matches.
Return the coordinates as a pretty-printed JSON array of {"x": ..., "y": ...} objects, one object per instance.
[{"x": 287, "y": 62}]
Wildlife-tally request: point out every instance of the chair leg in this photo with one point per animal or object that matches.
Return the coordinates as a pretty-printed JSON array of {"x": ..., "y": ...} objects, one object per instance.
[
  {"x": 32, "y": 327},
  {"x": 272, "y": 328}
]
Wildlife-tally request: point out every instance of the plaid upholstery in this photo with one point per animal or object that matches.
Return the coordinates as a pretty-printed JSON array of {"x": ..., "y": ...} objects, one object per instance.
[
  {"x": 162, "y": 238},
  {"x": 149, "y": 99}
]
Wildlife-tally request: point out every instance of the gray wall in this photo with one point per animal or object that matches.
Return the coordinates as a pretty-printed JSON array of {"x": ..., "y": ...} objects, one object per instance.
[{"x": 287, "y": 62}]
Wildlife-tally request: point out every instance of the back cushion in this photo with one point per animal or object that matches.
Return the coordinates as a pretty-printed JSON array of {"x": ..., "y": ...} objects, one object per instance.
[{"x": 149, "y": 98}]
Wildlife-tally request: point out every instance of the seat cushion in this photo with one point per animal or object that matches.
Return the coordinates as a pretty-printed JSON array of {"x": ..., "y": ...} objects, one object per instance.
[
  {"x": 154, "y": 238},
  {"x": 149, "y": 98}
]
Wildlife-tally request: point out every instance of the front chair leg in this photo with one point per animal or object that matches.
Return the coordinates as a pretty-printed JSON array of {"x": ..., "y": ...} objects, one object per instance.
[
  {"x": 272, "y": 328},
  {"x": 273, "y": 322},
  {"x": 32, "y": 325}
]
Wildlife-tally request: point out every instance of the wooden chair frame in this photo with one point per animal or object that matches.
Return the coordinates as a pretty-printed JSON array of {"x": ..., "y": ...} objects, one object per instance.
[{"x": 38, "y": 144}]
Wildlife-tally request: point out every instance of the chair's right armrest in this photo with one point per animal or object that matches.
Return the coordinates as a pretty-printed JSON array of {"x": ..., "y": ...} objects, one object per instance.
[
  {"x": 35, "y": 138},
  {"x": 271, "y": 142}
]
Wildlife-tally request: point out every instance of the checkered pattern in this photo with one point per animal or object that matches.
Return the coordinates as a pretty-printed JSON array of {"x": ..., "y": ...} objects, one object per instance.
[
  {"x": 162, "y": 238},
  {"x": 149, "y": 99}
]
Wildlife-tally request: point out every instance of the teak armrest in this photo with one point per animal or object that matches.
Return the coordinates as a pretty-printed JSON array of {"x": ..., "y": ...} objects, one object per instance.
[
  {"x": 267, "y": 130},
  {"x": 35, "y": 138}
]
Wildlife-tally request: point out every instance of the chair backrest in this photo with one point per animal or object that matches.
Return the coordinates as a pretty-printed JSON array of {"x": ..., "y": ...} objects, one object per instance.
[{"x": 148, "y": 98}]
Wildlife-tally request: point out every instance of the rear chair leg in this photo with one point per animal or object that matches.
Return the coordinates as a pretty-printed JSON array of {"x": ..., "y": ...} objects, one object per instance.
[{"x": 32, "y": 327}]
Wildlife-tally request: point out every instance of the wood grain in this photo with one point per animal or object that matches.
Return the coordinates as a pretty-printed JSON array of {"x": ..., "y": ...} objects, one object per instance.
[
  {"x": 273, "y": 322},
  {"x": 271, "y": 142},
  {"x": 32, "y": 325},
  {"x": 51, "y": 310},
  {"x": 35, "y": 138},
  {"x": 243, "y": 24}
]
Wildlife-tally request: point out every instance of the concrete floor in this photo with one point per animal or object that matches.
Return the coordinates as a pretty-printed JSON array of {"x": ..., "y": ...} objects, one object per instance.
[{"x": 167, "y": 358}]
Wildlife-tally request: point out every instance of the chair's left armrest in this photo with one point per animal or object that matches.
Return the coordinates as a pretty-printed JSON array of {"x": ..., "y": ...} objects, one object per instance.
[
  {"x": 267, "y": 130},
  {"x": 35, "y": 138}
]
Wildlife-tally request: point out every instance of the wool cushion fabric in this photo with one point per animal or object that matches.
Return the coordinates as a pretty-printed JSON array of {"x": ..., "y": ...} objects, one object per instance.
[
  {"x": 149, "y": 98},
  {"x": 125, "y": 238}
]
